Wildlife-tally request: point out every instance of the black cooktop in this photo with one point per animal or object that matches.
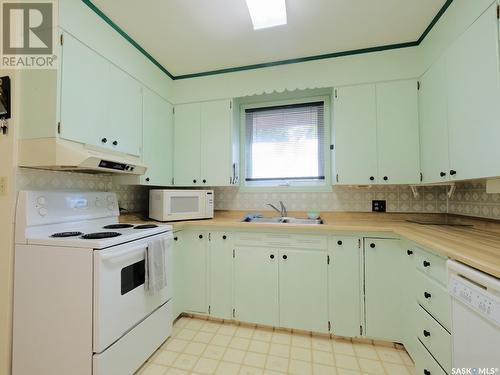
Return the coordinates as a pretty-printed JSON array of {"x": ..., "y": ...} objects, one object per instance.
[
  {"x": 100, "y": 235},
  {"x": 118, "y": 226},
  {"x": 66, "y": 234},
  {"x": 145, "y": 226}
]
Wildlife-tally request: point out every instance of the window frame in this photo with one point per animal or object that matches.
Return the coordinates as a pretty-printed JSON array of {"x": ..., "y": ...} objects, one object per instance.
[{"x": 294, "y": 186}]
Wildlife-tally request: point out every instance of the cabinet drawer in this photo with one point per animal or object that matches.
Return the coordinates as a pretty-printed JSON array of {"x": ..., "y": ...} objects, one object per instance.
[
  {"x": 432, "y": 265},
  {"x": 435, "y": 338},
  {"x": 282, "y": 240},
  {"x": 434, "y": 298},
  {"x": 425, "y": 364}
]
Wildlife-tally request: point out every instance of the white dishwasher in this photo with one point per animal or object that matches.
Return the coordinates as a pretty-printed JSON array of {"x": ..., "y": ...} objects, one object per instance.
[{"x": 475, "y": 319}]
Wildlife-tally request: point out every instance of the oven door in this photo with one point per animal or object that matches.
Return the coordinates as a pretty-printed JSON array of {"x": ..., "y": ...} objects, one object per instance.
[{"x": 120, "y": 300}]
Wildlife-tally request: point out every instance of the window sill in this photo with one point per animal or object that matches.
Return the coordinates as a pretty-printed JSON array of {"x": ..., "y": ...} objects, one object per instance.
[{"x": 254, "y": 188}]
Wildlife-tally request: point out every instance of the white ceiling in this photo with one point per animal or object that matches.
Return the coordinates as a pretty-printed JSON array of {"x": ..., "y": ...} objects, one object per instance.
[{"x": 192, "y": 36}]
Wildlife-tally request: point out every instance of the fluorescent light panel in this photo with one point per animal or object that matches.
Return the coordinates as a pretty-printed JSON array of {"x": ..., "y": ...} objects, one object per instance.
[{"x": 267, "y": 13}]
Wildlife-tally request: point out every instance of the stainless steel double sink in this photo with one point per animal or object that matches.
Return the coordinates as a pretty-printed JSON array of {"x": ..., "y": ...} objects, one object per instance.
[{"x": 281, "y": 220}]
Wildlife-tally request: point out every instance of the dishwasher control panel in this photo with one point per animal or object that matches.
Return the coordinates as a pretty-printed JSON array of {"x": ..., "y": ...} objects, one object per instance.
[{"x": 475, "y": 297}]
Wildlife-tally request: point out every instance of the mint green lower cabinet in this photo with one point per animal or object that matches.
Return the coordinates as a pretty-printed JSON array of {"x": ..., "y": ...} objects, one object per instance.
[
  {"x": 345, "y": 285},
  {"x": 192, "y": 272},
  {"x": 408, "y": 305},
  {"x": 178, "y": 275},
  {"x": 221, "y": 275},
  {"x": 303, "y": 294},
  {"x": 256, "y": 285},
  {"x": 384, "y": 270}
]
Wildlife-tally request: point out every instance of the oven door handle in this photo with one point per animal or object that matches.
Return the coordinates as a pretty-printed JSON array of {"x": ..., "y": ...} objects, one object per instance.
[{"x": 113, "y": 257}]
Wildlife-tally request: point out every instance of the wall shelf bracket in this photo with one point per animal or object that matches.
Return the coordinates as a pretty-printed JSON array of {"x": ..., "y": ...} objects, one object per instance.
[{"x": 449, "y": 192}]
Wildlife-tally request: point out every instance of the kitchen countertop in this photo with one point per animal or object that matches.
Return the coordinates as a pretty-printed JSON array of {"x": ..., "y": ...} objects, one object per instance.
[{"x": 477, "y": 246}]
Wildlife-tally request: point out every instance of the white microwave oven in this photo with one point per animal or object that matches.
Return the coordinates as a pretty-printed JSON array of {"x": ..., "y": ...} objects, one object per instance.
[{"x": 171, "y": 205}]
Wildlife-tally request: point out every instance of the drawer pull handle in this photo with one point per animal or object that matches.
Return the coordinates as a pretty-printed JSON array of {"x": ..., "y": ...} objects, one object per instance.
[
  {"x": 176, "y": 238},
  {"x": 200, "y": 236},
  {"x": 285, "y": 257},
  {"x": 271, "y": 256},
  {"x": 409, "y": 252},
  {"x": 427, "y": 372},
  {"x": 426, "y": 333},
  {"x": 339, "y": 243},
  {"x": 224, "y": 237},
  {"x": 426, "y": 263},
  {"x": 372, "y": 245},
  {"x": 427, "y": 295}
]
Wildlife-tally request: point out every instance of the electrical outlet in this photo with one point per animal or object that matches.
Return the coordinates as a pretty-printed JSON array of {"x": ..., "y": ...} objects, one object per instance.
[
  {"x": 378, "y": 206},
  {"x": 3, "y": 185}
]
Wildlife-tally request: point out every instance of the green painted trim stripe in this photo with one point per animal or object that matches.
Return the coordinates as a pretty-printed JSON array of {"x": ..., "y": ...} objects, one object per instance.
[
  {"x": 127, "y": 37},
  {"x": 273, "y": 63}
]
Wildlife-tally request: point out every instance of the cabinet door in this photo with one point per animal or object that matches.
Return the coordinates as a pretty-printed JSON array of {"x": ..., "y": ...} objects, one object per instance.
[
  {"x": 355, "y": 134},
  {"x": 397, "y": 132},
  {"x": 221, "y": 275},
  {"x": 216, "y": 143},
  {"x": 84, "y": 94},
  {"x": 187, "y": 144},
  {"x": 178, "y": 274},
  {"x": 124, "y": 128},
  {"x": 409, "y": 303},
  {"x": 384, "y": 290},
  {"x": 345, "y": 286},
  {"x": 256, "y": 285},
  {"x": 473, "y": 100},
  {"x": 433, "y": 118},
  {"x": 193, "y": 271},
  {"x": 157, "y": 144},
  {"x": 303, "y": 290}
]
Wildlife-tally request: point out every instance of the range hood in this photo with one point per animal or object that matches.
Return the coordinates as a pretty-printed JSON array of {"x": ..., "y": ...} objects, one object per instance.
[{"x": 60, "y": 154}]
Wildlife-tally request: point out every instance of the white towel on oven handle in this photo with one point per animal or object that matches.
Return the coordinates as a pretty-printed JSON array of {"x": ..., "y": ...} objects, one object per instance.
[{"x": 156, "y": 269}]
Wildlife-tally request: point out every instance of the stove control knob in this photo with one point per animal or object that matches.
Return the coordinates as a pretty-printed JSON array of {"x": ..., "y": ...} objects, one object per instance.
[
  {"x": 41, "y": 201},
  {"x": 42, "y": 211}
]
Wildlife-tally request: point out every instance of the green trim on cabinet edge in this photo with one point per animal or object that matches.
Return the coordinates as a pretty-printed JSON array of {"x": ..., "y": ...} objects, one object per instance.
[{"x": 273, "y": 63}]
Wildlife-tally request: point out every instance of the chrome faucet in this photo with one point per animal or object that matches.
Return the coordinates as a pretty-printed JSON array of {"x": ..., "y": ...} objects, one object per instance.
[{"x": 282, "y": 210}]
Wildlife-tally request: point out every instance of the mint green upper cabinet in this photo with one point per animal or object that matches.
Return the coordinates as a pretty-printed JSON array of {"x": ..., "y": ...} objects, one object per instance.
[
  {"x": 397, "y": 132},
  {"x": 303, "y": 294},
  {"x": 157, "y": 143},
  {"x": 187, "y": 144},
  {"x": 473, "y": 88},
  {"x": 256, "y": 285},
  {"x": 355, "y": 134},
  {"x": 345, "y": 286},
  {"x": 433, "y": 118},
  {"x": 124, "y": 125},
  {"x": 384, "y": 270},
  {"x": 221, "y": 275},
  {"x": 192, "y": 262},
  {"x": 216, "y": 143},
  {"x": 84, "y": 94}
]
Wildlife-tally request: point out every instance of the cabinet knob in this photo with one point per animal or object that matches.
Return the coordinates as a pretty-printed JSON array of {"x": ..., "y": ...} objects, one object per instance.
[
  {"x": 204, "y": 181},
  {"x": 224, "y": 237},
  {"x": 339, "y": 243},
  {"x": 426, "y": 333},
  {"x": 427, "y": 295},
  {"x": 176, "y": 238},
  {"x": 409, "y": 252},
  {"x": 452, "y": 172},
  {"x": 200, "y": 236},
  {"x": 427, "y": 372},
  {"x": 426, "y": 263},
  {"x": 372, "y": 178},
  {"x": 442, "y": 174},
  {"x": 271, "y": 256},
  {"x": 194, "y": 181},
  {"x": 104, "y": 140},
  {"x": 285, "y": 257},
  {"x": 386, "y": 178},
  {"x": 147, "y": 179},
  {"x": 372, "y": 245},
  {"x": 115, "y": 143}
]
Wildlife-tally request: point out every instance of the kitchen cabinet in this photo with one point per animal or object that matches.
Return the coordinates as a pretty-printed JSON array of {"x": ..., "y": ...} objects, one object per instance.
[
  {"x": 374, "y": 126},
  {"x": 191, "y": 272},
  {"x": 221, "y": 275},
  {"x": 409, "y": 306},
  {"x": 157, "y": 144},
  {"x": 100, "y": 104},
  {"x": 345, "y": 286},
  {"x": 303, "y": 293},
  {"x": 204, "y": 134},
  {"x": 433, "y": 118},
  {"x": 384, "y": 270},
  {"x": 256, "y": 298}
]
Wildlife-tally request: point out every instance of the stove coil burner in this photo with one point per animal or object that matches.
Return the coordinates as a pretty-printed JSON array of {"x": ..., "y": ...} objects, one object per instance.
[
  {"x": 146, "y": 226},
  {"x": 118, "y": 226},
  {"x": 66, "y": 234},
  {"x": 100, "y": 235}
]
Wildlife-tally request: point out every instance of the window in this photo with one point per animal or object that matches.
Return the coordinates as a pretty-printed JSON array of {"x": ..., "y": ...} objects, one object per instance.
[{"x": 285, "y": 145}]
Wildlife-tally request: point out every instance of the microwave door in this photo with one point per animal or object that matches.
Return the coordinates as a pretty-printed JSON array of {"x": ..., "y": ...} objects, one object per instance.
[{"x": 185, "y": 206}]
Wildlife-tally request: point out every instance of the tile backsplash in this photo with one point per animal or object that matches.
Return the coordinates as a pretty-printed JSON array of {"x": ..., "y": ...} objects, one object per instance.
[{"x": 470, "y": 199}]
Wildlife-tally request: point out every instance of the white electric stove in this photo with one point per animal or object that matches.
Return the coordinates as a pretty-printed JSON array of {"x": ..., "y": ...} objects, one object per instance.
[{"x": 80, "y": 305}]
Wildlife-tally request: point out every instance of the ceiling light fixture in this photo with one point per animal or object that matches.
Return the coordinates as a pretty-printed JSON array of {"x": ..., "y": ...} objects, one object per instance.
[{"x": 267, "y": 13}]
